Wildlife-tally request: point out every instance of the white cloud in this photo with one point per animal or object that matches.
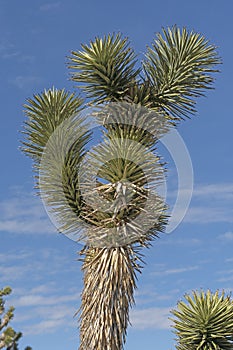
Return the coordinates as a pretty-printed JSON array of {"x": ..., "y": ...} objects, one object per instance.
[
  {"x": 50, "y": 6},
  {"x": 229, "y": 259},
  {"x": 210, "y": 203},
  {"x": 36, "y": 299},
  {"x": 47, "y": 312},
  {"x": 209, "y": 213},
  {"x": 225, "y": 279},
  {"x": 180, "y": 242},
  {"x": 226, "y": 275},
  {"x": 175, "y": 270},
  {"x": 24, "y": 214},
  {"x": 15, "y": 258},
  {"x": 150, "y": 294},
  {"x": 26, "y": 81},
  {"x": 12, "y": 273},
  {"x": 34, "y": 268},
  {"x": 44, "y": 320},
  {"x": 180, "y": 270},
  {"x": 9, "y": 51},
  {"x": 44, "y": 289},
  {"x": 33, "y": 226},
  {"x": 45, "y": 300},
  {"x": 227, "y": 236},
  {"x": 44, "y": 327},
  {"x": 155, "y": 318},
  {"x": 218, "y": 190}
]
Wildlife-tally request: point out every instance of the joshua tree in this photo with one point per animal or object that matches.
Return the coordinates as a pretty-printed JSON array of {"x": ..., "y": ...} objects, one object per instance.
[
  {"x": 204, "y": 322},
  {"x": 108, "y": 195}
]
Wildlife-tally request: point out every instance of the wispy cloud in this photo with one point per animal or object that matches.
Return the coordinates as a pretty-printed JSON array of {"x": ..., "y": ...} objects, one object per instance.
[
  {"x": 24, "y": 214},
  {"x": 209, "y": 213},
  {"x": 12, "y": 273},
  {"x": 150, "y": 318},
  {"x": 218, "y": 190},
  {"x": 180, "y": 242},
  {"x": 45, "y": 299},
  {"x": 42, "y": 300},
  {"x": 210, "y": 203},
  {"x": 45, "y": 326},
  {"x": 225, "y": 279},
  {"x": 25, "y": 81},
  {"x": 227, "y": 236},
  {"x": 150, "y": 294},
  {"x": 15, "y": 258},
  {"x": 41, "y": 263},
  {"x": 50, "y": 6},
  {"x": 178, "y": 270},
  {"x": 226, "y": 276},
  {"x": 9, "y": 51},
  {"x": 43, "y": 314},
  {"x": 229, "y": 259}
]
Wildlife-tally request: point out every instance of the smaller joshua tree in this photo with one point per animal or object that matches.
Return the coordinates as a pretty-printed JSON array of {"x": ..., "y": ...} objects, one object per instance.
[{"x": 205, "y": 322}]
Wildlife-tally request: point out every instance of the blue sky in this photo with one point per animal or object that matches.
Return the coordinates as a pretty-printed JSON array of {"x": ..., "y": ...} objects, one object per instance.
[{"x": 40, "y": 265}]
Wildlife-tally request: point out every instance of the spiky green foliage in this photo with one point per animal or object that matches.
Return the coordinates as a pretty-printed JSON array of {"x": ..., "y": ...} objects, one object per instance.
[
  {"x": 122, "y": 193},
  {"x": 204, "y": 322},
  {"x": 45, "y": 113},
  {"x": 55, "y": 138},
  {"x": 125, "y": 204},
  {"x": 179, "y": 66},
  {"x": 106, "y": 67},
  {"x": 177, "y": 69}
]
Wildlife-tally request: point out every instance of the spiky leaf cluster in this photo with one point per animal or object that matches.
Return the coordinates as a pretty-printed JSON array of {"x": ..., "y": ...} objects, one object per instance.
[
  {"x": 179, "y": 66},
  {"x": 106, "y": 68},
  {"x": 204, "y": 322},
  {"x": 127, "y": 120},
  {"x": 177, "y": 69},
  {"x": 45, "y": 113},
  {"x": 53, "y": 114}
]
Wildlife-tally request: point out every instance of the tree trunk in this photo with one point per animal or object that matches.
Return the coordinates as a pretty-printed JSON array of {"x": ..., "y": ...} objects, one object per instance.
[{"x": 109, "y": 283}]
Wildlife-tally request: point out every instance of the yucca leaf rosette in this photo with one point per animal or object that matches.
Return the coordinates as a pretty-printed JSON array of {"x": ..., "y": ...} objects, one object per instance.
[{"x": 204, "y": 321}]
